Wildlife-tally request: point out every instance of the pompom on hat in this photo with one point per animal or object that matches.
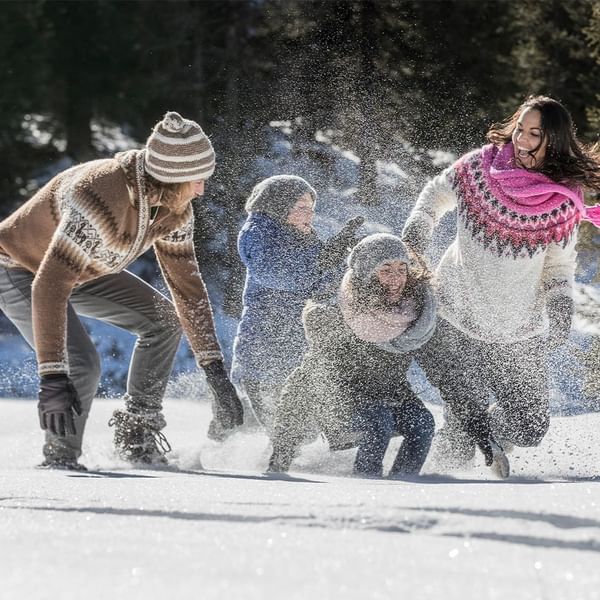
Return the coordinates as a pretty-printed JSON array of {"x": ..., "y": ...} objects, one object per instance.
[
  {"x": 374, "y": 250},
  {"x": 178, "y": 151}
]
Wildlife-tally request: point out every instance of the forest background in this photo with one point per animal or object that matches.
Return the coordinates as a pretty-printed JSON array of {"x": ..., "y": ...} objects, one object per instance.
[{"x": 374, "y": 77}]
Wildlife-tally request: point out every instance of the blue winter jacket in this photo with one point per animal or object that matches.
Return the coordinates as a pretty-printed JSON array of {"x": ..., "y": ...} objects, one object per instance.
[{"x": 282, "y": 272}]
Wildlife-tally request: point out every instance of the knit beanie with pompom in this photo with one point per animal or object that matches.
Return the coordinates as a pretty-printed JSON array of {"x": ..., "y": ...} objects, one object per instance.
[{"x": 178, "y": 151}]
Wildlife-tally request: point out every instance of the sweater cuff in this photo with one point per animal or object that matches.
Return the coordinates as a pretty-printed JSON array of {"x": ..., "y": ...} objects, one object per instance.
[{"x": 47, "y": 368}]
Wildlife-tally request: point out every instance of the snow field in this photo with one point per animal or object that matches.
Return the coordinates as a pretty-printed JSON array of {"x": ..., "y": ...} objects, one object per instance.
[{"x": 230, "y": 532}]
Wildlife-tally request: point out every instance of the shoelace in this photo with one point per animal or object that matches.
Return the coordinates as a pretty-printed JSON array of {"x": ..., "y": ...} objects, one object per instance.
[
  {"x": 161, "y": 441},
  {"x": 159, "y": 438}
]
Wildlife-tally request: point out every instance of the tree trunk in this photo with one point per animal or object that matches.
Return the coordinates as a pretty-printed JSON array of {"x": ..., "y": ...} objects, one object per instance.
[{"x": 367, "y": 147}]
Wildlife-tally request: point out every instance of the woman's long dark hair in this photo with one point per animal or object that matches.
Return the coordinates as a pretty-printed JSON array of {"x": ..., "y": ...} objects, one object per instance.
[{"x": 567, "y": 160}]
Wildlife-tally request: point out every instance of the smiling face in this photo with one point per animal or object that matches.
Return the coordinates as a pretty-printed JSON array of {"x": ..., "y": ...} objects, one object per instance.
[
  {"x": 392, "y": 275},
  {"x": 529, "y": 141},
  {"x": 302, "y": 213}
]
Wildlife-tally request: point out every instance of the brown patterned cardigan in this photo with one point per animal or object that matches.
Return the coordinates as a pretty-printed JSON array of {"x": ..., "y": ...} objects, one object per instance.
[{"x": 93, "y": 220}]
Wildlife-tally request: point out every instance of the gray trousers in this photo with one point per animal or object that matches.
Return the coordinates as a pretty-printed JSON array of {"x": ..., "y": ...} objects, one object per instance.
[
  {"x": 466, "y": 371},
  {"x": 123, "y": 300}
]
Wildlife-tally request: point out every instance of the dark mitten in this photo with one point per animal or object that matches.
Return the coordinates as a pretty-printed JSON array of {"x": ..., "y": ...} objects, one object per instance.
[
  {"x": 58, "y": 400},
  {"x": 560, "y": 314},
  {"x": 336, "y": 248},
  {"x": 229, "y": 408}
]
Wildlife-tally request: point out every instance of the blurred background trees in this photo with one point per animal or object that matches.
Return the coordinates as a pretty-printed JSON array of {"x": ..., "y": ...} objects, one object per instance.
[
  {"x": 374, "y": 73},
  {"x": 385, "y": 80},
  {"x": 374, "y": 76}
]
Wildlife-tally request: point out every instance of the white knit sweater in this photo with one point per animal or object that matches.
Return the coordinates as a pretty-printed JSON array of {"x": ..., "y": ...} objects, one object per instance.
[{"x": 489, "y": 290}]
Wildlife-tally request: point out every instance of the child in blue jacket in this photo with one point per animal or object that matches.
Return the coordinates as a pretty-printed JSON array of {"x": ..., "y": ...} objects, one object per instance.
[{"x": 286, "y": 264}]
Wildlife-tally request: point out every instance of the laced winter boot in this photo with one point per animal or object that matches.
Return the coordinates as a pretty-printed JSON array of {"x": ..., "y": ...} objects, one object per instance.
[{"x": 138, "y": 437}]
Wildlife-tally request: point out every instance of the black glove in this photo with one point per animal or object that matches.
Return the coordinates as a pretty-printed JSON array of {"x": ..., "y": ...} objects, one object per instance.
[
  {"x": 336, "y": 247},
  {"x": 560, "y": 314},
  {"x": 230, "y": 412},
  {"x": 58, "y": 400},
  {"x": 415, "y": 238}
]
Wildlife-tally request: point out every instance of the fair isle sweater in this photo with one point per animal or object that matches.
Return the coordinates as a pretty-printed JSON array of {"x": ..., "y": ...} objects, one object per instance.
[
  {"x": 94, "y": 220},
  {"x": 494, "y": 280}
]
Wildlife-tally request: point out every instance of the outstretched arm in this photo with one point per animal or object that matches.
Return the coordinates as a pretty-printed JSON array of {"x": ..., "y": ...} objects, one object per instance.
[
  {"x": 177, "y": 261},
  {"x": 175, "y": 254},
  {"x": 435, "y": 200},
  {"x": 66, "y": 258}
]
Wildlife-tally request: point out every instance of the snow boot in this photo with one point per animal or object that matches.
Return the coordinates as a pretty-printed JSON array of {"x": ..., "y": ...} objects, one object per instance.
[
  {"x": 62, "y": 464},
  {"x": 217, "y": 432},
  {"x": 138, "y": 437},
  {"x": 280, "y": 461}
]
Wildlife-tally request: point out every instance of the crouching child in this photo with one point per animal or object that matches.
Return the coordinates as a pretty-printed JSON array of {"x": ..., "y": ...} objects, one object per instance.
[{"x": 352, "y": 384}]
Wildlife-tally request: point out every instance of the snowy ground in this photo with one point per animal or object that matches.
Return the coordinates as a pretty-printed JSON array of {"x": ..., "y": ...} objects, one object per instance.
[{"x": 230, "y": 532}]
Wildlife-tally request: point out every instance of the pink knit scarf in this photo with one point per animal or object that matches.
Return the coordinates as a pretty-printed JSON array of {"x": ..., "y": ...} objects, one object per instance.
[
  {"x": 513, "y": 210},
  {"x": 529, "y": 192}
]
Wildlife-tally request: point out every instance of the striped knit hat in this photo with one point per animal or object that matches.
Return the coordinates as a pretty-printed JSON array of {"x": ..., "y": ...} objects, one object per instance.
[{"x": 178, "y": 151}]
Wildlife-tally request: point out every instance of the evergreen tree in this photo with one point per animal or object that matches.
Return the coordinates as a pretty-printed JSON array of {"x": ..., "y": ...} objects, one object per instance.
[
  {"x": 592, "y": 34},
  {"x": 552, "y": 56}
]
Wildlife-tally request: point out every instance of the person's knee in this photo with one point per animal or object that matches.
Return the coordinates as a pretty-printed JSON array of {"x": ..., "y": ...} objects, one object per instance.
[
  {"x": 167, "y": 325},
  {"x": 377, "y": 434},
  {"x": 532, "y": 431},
  {"x": 522, "y": 428},
  {"x": 376, "y": 421},
  {"x": 422, "y": 424}
]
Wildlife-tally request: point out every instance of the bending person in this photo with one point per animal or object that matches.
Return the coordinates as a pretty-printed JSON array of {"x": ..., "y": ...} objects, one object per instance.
[{"x": 64, "y": 254}]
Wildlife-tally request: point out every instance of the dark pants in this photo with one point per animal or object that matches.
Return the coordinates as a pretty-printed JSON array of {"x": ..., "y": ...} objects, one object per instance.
[
  {"x": 467, "y": 371},
  {"x": 123, "y": 300},
  {"x": 379, "y": 423}
]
